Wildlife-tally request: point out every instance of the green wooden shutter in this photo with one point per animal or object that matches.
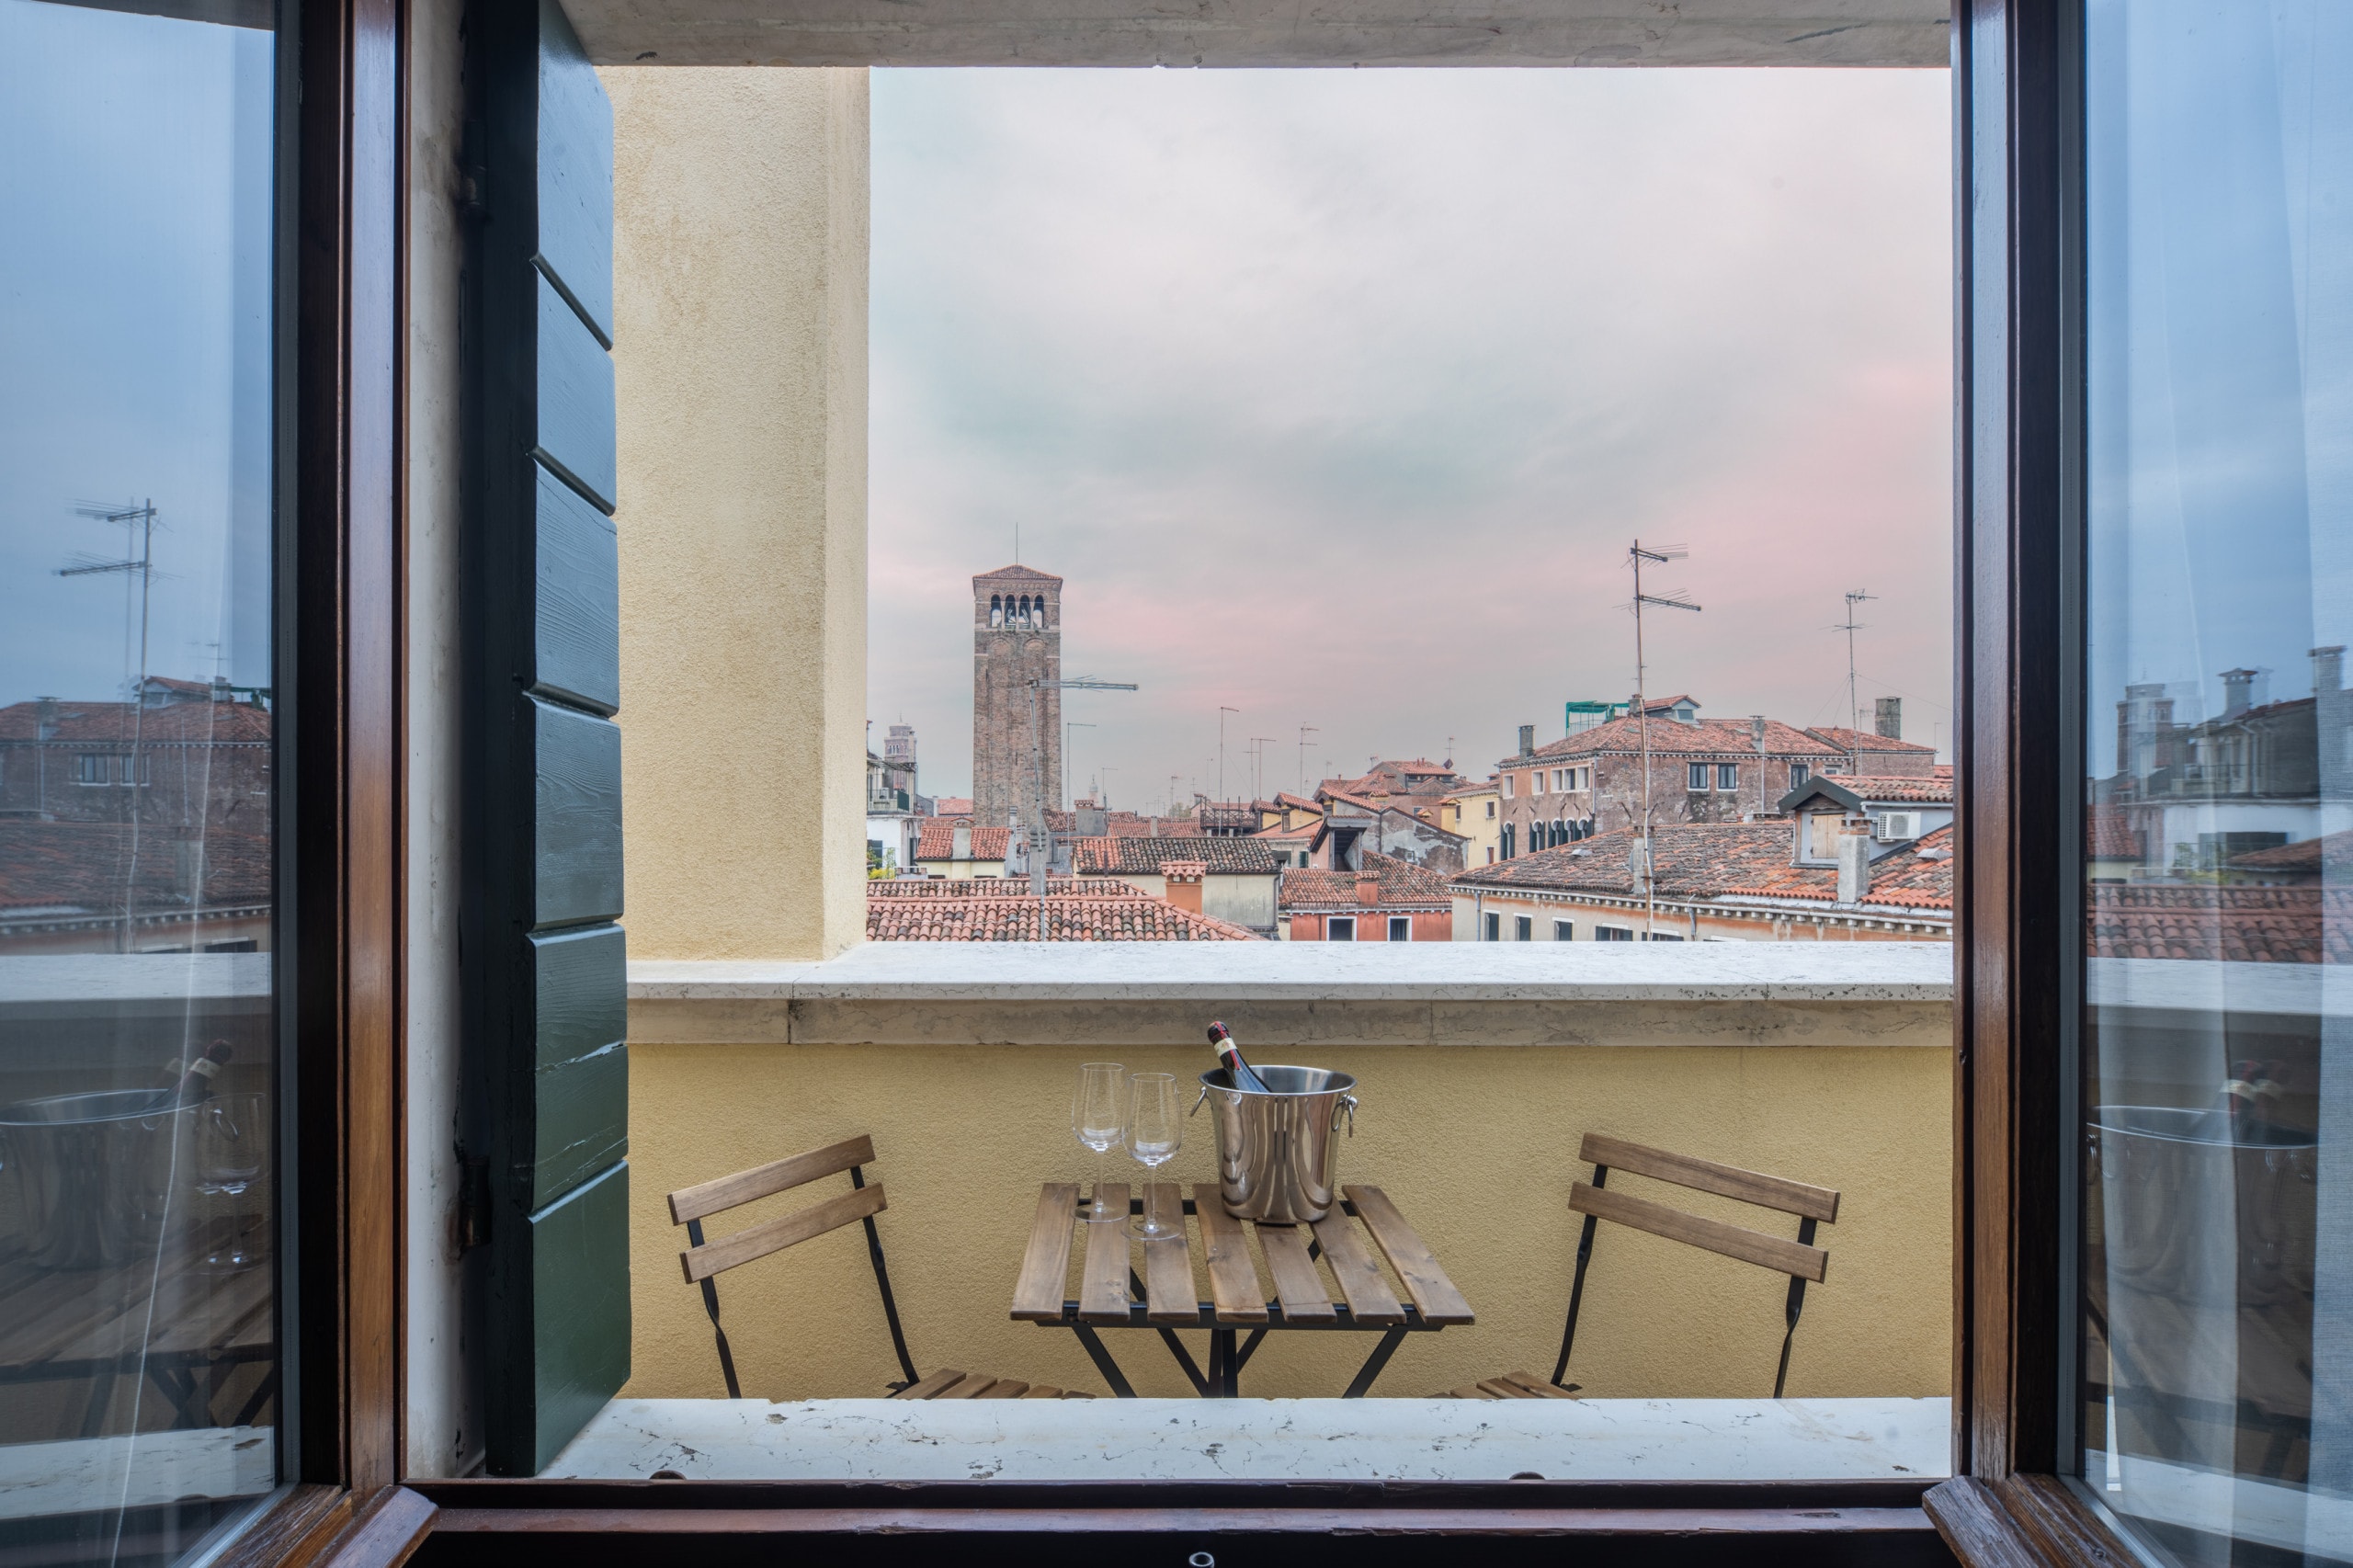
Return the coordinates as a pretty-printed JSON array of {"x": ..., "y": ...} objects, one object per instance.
[{"x": 544, "y": 961}]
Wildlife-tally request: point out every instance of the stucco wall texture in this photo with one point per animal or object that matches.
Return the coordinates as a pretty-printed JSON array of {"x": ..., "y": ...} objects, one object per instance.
[
  {"x": 1478, "y": 1146},
  {"x": 739, "y": 293}
]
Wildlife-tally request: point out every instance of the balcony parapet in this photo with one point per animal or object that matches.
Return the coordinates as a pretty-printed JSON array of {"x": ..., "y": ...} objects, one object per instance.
[{"x": 1279, "y": 994}]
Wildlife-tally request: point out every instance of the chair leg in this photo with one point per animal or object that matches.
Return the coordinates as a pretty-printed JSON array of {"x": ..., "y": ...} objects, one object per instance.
[
  {"x": 1796, "y": 1306},
  {"x": 711, "y": 1305},
  {"x": 1576, "y": 1286}
]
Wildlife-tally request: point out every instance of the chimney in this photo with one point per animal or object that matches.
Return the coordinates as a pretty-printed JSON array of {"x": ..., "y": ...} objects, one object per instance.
[
  {"x": 1757, "y": 732},
  {"x": 1526, "y": 739},
  {"x": 2236, "y": 686},
  {"x": 44, "y": 717},
  {"x": 2328, "y": 671},
  {"x": 1367, "y": 888},
  {"x": 1887, "y": 717},
  {"x": 1854, "y": 859},
  {"x": 1183, "y": 882},
  {"x": 960, "y": 841}
]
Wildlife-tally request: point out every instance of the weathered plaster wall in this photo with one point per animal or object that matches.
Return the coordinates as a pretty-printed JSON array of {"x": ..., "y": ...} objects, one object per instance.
[
  {"x": 740, "y": 288},
  {"x": 1477, "y": 1144}
]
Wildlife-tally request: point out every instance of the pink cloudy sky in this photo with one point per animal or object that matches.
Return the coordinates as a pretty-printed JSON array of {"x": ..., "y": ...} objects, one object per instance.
[{"x": 1336, "y": 396}]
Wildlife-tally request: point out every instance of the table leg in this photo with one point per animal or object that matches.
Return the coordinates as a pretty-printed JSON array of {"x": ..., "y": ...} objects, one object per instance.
[
  {"x": 1374, "y": 1362},
  {"x": 1185, "y": 1362},
  {"x": 1229, "y": 1366},
  {"x": 1103, "y": 1362}
]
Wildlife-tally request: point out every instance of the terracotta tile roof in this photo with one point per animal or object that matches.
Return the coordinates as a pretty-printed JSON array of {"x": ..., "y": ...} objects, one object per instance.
[
  {"x": 935, "y": 840},
  {"x": 1875, "y": 787},
  {"x": 1403, "y": 886},
  {"x": 1016, "y": 573},
  {"x": 1285, "y": 800},
  {"x": 2306, "y": 857},
  {"x": 1307, "y": 829},
  {"x": 2238, "y": 925},
  {"x": 1143, "y": 856},
  {"x": 111, "y": 723},
  {"x": 1862, "y": 740},
  {"x": 87, "y": 866},
  {"x": 2106, "y": 837},
  {"x": 1729, "y": 738},
  {"x": 1725, "y": 859},
  {"x": 997, "y": 916},
  {"x": 953, "y": 806},
  {"x": 1919, "y": 876},
  {"x": 961, "y": 887}
]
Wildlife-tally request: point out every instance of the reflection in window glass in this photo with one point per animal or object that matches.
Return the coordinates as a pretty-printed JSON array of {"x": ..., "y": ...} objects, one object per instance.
[
  {"x": 2217, "y": 1331},
  {"x": 139, "y": 1387}
]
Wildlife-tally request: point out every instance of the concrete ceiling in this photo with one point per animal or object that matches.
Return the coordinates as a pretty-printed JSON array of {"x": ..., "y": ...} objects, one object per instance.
[{"x": 1264, "y": 33}]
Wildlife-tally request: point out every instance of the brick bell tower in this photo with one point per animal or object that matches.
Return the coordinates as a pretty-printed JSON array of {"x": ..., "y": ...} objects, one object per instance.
[{"x": 1016, "y": 638}]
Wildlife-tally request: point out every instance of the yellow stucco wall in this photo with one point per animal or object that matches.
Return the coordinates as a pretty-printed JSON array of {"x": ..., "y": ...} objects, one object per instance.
[
  {"x": 1477, "y": 1145},
  {"x": 740, "y": 268}
]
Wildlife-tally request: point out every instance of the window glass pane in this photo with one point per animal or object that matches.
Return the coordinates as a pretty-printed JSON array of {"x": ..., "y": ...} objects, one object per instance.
[
  {"x": 138, "y": 1329},
  {"x": 2217, "y": 1333}
]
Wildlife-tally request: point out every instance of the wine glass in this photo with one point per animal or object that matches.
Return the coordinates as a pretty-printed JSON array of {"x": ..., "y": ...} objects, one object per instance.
[
  {"x": 1098, "y": 1120},
  {"x": 1156, "y": 1128},
  {"x": 232, "y": 1137}
]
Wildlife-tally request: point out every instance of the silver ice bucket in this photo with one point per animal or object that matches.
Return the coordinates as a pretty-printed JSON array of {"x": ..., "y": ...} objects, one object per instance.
[
  {"x": 1275, "y": 1151},
  {"x": 93, "y": 1174}
]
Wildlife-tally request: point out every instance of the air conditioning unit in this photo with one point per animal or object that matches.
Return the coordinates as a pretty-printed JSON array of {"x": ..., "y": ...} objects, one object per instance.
[{"x": 1897, "y": 828}]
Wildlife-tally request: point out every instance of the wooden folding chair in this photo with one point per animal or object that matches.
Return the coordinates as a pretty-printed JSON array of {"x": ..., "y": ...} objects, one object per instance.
[
  {"x": 703, "y": 1259},
  {"x": 1800, "y": 1259}
]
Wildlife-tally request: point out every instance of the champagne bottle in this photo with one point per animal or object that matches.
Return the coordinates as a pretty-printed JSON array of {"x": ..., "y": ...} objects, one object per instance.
[
  {"x": 196, "y": 1082},
  {"x": 1243, "y": 1077}
]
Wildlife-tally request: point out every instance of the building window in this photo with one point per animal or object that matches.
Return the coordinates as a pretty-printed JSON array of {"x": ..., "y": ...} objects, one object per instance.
[
  {"x": 1507, "y": 779},
  {"x": 90, "y": 768},
  {"x": 1535, "y": 782},
  {"x": 1506, "y": 836},
  {"x": 1563, "y": 930},
  {"x": 1401, "y": 928},
  {"x": 1799, "y": 774},
  {"x": 1491, "y": 854},
  {"x": 1491, "y": 805},
  {"x": 1340, "y": 928},
  {"x": 1495, "y": 931},
  {"x": 1523, "y": 928},
  {"x": 1613, "y": 933},
  {"x": 1727, "y": 775},
  {"x": 1698, "y": 775}
]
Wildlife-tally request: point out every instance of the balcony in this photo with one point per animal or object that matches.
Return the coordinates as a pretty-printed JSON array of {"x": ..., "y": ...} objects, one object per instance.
[{"x": 1480, "y": 1069}]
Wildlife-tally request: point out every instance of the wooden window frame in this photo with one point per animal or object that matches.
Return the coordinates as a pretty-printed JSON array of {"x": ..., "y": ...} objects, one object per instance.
[{"x": 2017, "y": 586}]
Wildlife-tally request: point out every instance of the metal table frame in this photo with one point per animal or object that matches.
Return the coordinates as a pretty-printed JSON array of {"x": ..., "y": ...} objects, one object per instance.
[{"x": 1227, "y": 1357}]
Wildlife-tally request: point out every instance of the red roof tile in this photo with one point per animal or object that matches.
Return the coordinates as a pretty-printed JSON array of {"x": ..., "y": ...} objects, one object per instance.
[
  {"x": 1730, "y": 738},
  {"x": 997, "y": 916},
  {"x": 1862, "y": 740},
  {"x": 1725, "y": 859},
  {"x": 935, "y": 840},
  {"x": 1403, "y": 886},
  {"x": 2306, "y": 857},
  {"x": 1143, "y": 856},
  {"x": 89, "y": 866},
  {"x": 112, "y": 723},
  {"x": 1926, "y": 789},
  {"x": 2240, "y": 924},
  {"x": 2106, "y": 838}
]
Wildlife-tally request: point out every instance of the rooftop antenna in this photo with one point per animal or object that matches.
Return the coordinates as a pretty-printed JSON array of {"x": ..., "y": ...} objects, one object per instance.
[
  {"x": 1258, "y": 744},
  {"x": 1636, "y": 555},
  {"x": 1041, "y": 843},
  {"x": 1305, "y": 730},
  {"x": 141, "y": 520},
  {"x": 1850, "y": 626},
  {"x": 1068, "y": 725},
  {"x": 1222, "y": 712}
]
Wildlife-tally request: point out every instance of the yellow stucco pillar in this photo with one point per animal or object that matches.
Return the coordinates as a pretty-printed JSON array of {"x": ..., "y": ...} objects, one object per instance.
[{"x": 740, "y": 300}]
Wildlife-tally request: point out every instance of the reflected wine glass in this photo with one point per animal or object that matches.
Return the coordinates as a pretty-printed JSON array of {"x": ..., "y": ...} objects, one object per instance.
[
  {"x": 232, "y": 1146},
  {"x": 1155, "y": 1129},
  {"x": 1098, "y": 1120}
]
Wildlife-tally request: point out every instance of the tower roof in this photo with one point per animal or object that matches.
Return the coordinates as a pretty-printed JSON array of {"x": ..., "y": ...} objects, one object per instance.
[{"x": 1016, "y": 574}]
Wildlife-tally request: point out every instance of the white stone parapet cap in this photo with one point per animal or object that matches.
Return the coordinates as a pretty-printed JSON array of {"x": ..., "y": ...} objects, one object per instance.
[{"x": 1325, "y": 972}]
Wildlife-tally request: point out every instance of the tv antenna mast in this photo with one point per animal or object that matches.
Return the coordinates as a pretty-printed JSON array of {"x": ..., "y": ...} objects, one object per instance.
[
  {"x": 1656, "y": 555},
  {"x": 1041, "y": 843},
  {"x": 1258, "y": 744},
  {"x": 140, "y": 562},
  {"x": 1850, "y": 626},
  {"x": 1305, "y": 730}
]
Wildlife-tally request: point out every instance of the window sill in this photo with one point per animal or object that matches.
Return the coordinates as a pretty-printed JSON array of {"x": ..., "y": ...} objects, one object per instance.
[{"x": 1719, "y": 993}]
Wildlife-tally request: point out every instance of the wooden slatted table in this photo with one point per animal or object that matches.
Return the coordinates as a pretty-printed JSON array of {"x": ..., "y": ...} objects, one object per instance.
[{"x": 1352, "y": 1241}]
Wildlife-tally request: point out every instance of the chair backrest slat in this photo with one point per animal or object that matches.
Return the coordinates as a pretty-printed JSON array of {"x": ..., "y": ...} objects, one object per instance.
[
  {"x": 1707, "y": 1176},
  {"x": 1713, "y": 1235},
  {"x": 764, "y": 1181},
  {"x": 774, "y": 1235}
]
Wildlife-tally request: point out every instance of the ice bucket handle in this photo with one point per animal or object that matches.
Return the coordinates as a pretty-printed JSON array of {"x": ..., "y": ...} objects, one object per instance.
[
  {"x": 1346, "y": 1107},
  {"x": 1198, "y": 1102}
]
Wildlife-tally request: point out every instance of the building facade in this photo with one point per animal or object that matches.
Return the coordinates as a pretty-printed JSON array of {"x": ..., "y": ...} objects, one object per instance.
[{"x": 1016, "y": 639}]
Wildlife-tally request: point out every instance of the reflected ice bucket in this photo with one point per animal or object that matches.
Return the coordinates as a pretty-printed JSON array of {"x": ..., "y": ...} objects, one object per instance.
[
  {"x": 92, "y": 1174},
  {"x": 1276, "y": 1150}
]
